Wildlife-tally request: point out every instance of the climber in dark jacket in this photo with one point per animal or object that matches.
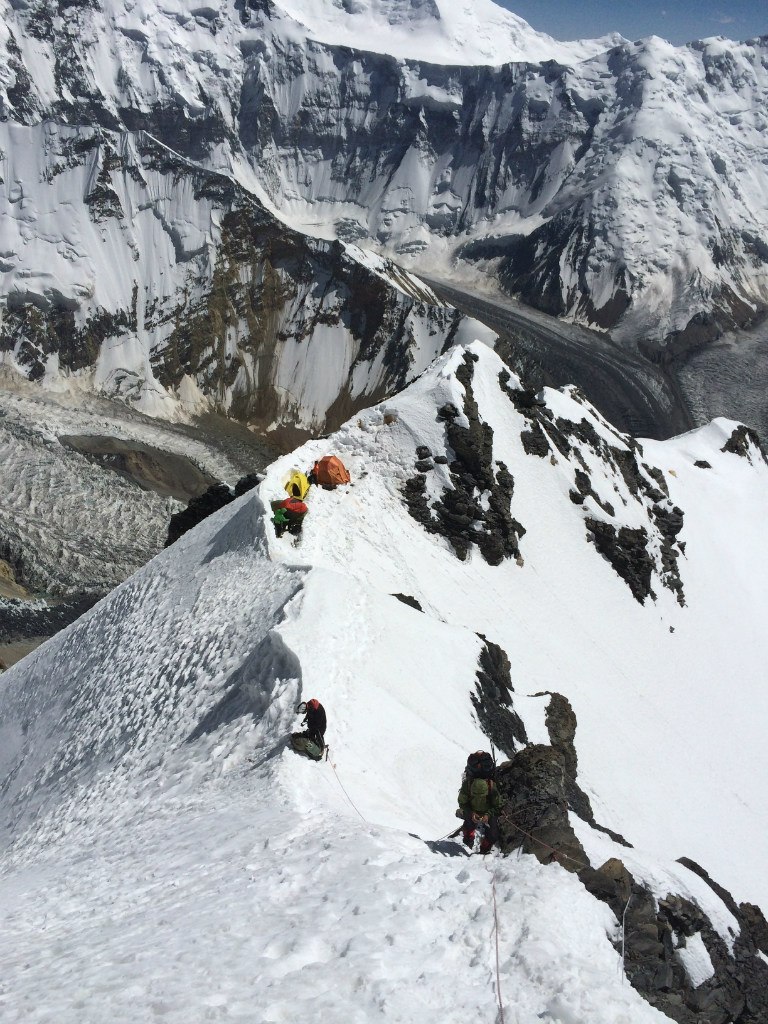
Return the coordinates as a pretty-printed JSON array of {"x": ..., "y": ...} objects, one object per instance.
[
  {"x": 314, "y": 719},
  {"x": 480, "y": 802}
]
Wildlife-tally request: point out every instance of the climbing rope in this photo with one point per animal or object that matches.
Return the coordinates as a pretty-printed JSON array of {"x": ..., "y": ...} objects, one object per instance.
[
  {"x": 624, "y": 939},
  {"x": 496, "y": 937},
  {"x": 346, "y": 794},
  {"x": 556, "y": 853}
]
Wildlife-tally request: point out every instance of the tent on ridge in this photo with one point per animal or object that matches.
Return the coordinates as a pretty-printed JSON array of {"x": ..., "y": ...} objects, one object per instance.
[
  {"x": 329, "y": 472},
  {"x": 297, "y": 485}
]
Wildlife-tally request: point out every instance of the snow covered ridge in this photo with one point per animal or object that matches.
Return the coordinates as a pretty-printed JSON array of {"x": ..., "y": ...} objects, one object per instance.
[
  {"x": 150, "y": 279},
  {"x": 439, "y": 31},
  {"x": 147, "y": 782},
  {"x": 621, "y": 187}
]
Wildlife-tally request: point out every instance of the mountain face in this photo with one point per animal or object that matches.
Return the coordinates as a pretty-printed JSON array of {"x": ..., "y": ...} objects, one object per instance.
[
  {"x": 183, "y": 192},
  {"x": 504, "y": 569},
  {"x": 172, "y": 287}
]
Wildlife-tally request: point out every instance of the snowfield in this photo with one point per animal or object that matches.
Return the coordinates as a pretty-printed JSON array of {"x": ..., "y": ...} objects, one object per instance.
[{"x": 167, "y": 858}]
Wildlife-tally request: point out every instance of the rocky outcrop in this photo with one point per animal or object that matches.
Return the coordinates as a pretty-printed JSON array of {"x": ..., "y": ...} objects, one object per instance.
[
  {"x": 475, "y": 509},
  {"x": 652, "y": 934},
  {"x": 535, "y": 815},
  {"x": 638, "y": 554},
  {"x": 493, "y": 701},
  {"x": 745, "y": 442},
  {"x": 653, "y": 939}
]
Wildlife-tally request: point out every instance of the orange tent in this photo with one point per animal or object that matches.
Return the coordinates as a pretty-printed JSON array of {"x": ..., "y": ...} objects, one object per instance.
[{"x": 330, "y": 472}]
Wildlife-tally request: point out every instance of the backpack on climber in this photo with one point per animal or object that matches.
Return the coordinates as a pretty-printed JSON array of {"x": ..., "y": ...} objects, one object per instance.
[
  {"x": 479, "y": 801},
  {"x": 288, "y": 514}
]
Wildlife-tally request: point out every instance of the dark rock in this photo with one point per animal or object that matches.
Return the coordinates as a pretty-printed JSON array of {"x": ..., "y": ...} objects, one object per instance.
[
  {"x": 611, "y": 883},
  {"x": 247, "y": 483},
  {"x": 702, "y": 464},
  {"x": 424, "y": 465},
  {"x": 197, "y": 510},
  {"x": 535, "y": 441},
  {"x": 757, "y": 924},
  {"x": 656, "y": 474},
  {"x": 417, "y": 503},
  {"x": 440, "y": 460},
  {"x": 422, "y": 452},
  {"x": 447, "y": 412},
  {"x": 535, "y": 815},
  {"x": 493, "y": 700},
  {"x": 583, "y": 484},
  {"x": 743, "y": 442},
  {"x": 459, "y": 515},
  {"x": 670, "y": 522},
  {"x": 410, "y": 601},
  {"x": 626, "y": 550},
  {"x": 561, "y": 724}
]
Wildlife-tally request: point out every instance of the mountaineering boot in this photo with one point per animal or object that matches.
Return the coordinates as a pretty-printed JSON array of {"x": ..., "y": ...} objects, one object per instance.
[
  {"x": 469, "y": 839},
  {"x": 486, "y": 845}
]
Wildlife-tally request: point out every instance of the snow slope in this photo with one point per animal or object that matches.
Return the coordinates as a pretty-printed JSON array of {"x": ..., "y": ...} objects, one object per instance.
[
  {"x": 209, "y": 871},
  {"x": 690, "y": 695},
  {"x": 165, "y": 857}
]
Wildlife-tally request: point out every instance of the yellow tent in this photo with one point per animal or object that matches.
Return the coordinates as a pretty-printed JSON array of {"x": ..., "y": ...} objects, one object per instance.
[{"x": 297, "y": 485}]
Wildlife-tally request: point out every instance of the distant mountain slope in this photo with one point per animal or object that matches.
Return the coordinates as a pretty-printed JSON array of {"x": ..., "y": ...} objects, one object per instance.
[
  {"x": 154, "y": 280},
  {"x": 618, "y": 185},
  {"x": 439, "y": 31},
  {"x": 150, "y": 804}
]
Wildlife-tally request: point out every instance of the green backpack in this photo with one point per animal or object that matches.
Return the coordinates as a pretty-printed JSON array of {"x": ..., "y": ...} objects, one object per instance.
[{"x": 304, "y": 744}]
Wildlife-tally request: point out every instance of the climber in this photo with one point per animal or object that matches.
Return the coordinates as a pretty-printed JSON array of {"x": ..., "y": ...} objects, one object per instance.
[
  {"x": 312, "y": 741},
  {"x": 288, "y": 515},
  {"x": 480, "y": 801},
  {"x": 314, "y": 719}
]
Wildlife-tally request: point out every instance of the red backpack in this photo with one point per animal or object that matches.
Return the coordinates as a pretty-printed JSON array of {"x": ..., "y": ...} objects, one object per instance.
[{"x": 294, "y": 508}]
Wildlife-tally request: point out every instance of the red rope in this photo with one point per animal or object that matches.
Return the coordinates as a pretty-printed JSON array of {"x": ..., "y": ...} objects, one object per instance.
[{"x": 544, "y": 845}]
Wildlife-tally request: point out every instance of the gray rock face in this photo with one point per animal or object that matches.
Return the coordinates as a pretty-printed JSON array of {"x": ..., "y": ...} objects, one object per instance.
[{"x": 213, "y": 303}]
